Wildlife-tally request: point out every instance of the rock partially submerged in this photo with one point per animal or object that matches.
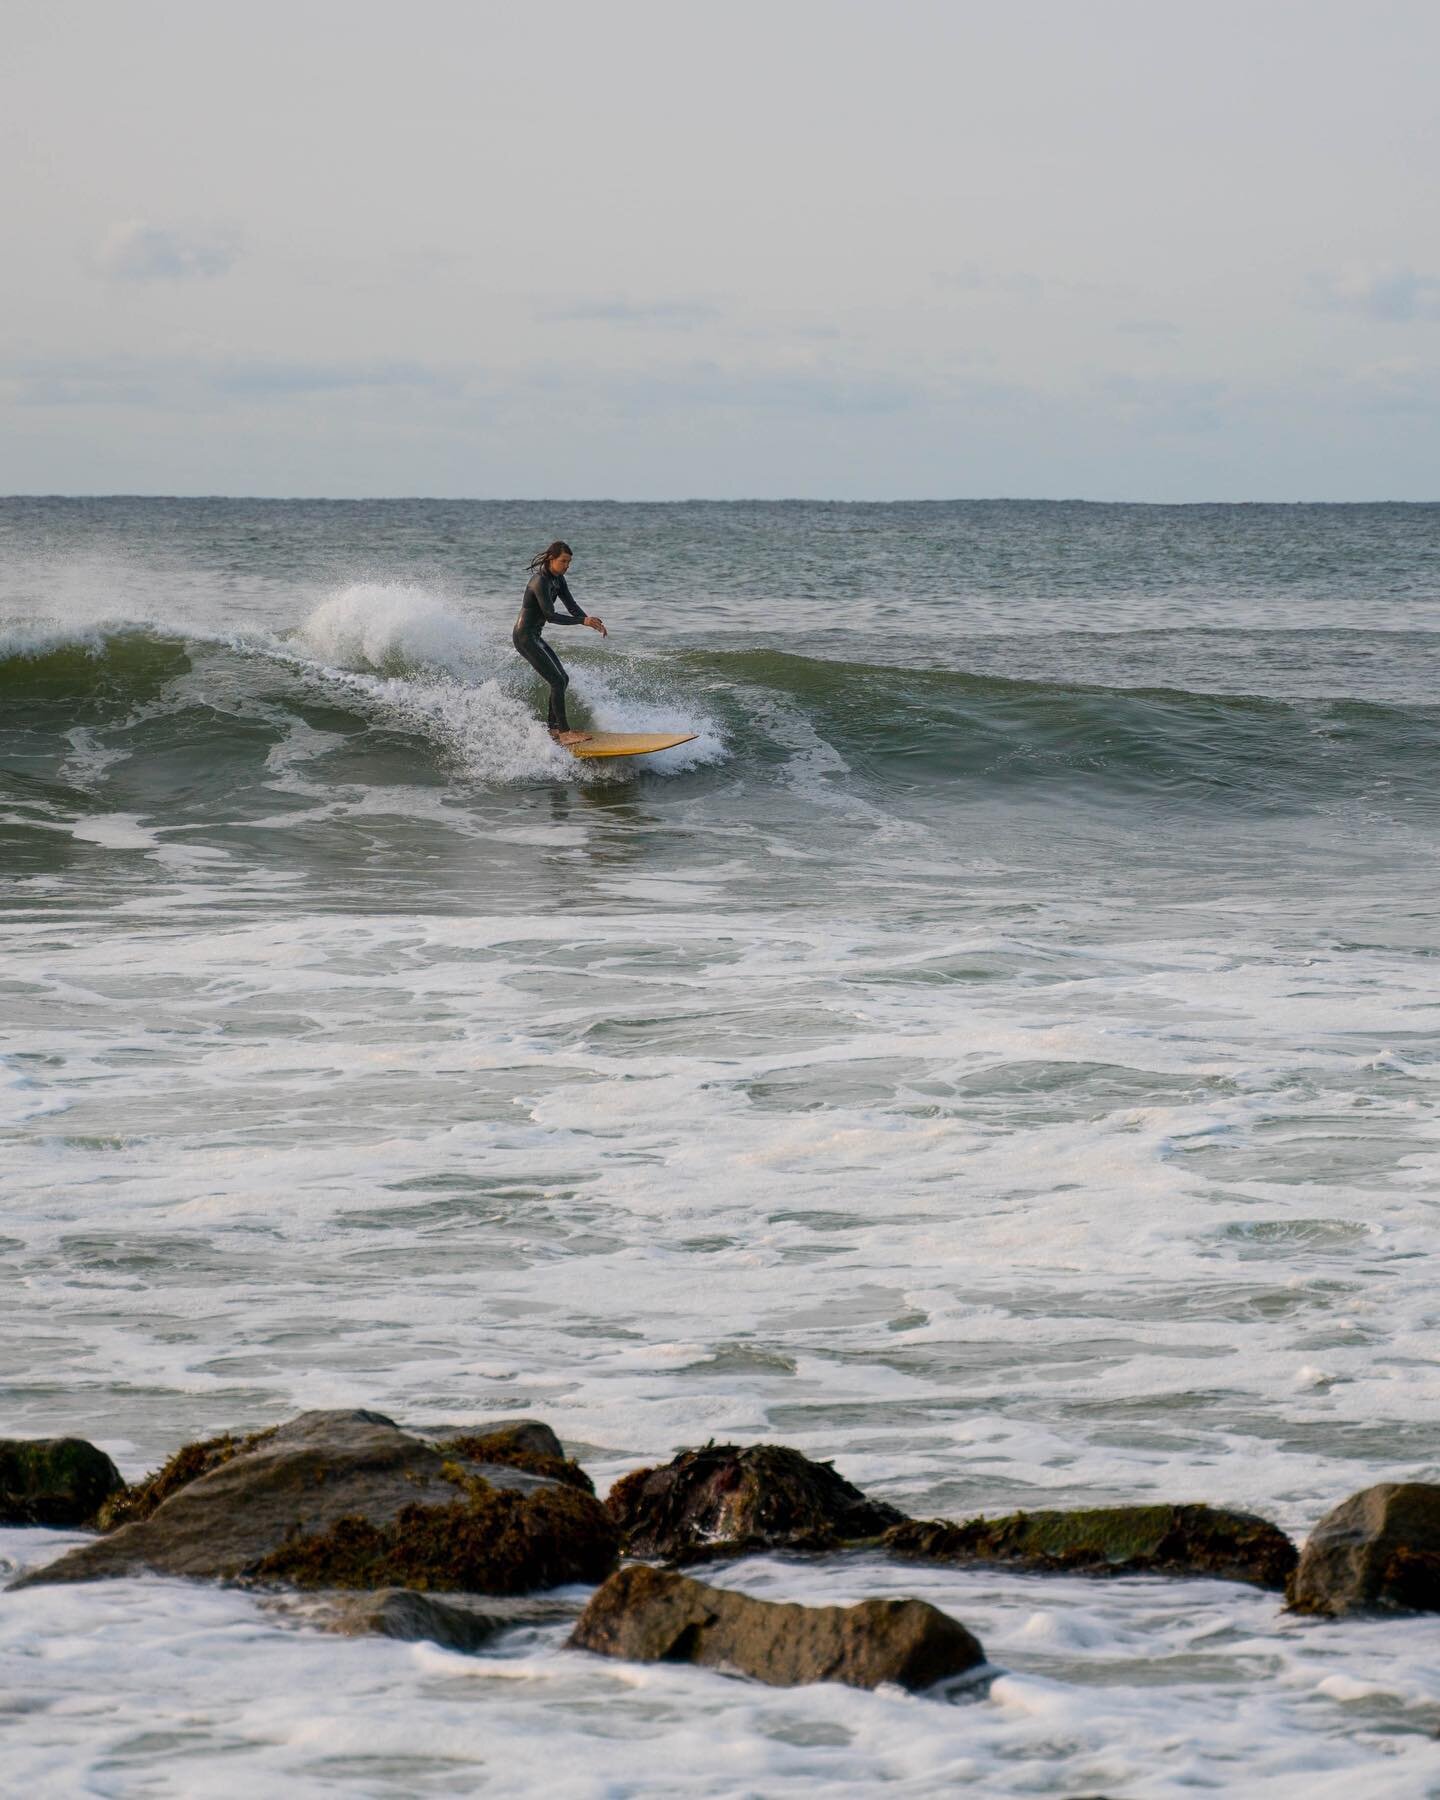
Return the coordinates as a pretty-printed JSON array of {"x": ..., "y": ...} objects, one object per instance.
[
  {"x": 729, "y": 1498},
  {"x": 645, "y": 1614},
  {"x": 54, "y": 1481},
  {"x": 348, "y": 1499},
  {"x": 1111, "y": 1540},
  {"x": 1378, "y": 1551},
  {"x": 457, "y": 1621},
  {"x": 413, "y": 1618}
]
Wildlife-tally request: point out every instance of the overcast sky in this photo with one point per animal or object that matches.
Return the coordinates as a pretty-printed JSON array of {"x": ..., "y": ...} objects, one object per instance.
[{"x": 1148, "y": 249}]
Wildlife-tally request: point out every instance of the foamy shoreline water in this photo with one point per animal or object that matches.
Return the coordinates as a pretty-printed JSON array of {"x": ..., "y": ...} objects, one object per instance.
[{"x": 1039, "y": 1116}]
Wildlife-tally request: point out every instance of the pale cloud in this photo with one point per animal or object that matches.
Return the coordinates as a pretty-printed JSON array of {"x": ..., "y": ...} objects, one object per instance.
[
  {"x": 1168, "y": 403},
  {"x": 189, "y": 381},
  {"x": 134, "y": 250},
  {"x": 275, "y": 380},
  {"x": 1018, "y": 284},
  {"x": 1390, "y": 293},
  {"x": 673, "y": 315},
  {"x": 1401, "y": 385}
]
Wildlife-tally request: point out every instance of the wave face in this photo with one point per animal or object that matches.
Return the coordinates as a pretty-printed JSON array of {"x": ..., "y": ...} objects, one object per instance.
[{"x": 405, "y": 683}]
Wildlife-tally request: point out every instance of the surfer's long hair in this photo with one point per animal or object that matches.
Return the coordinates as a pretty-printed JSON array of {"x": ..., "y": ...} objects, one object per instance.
[{"x": 543, "y": 558}]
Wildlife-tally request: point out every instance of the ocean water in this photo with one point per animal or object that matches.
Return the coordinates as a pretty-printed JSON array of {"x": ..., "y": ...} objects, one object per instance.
[{"x": 998, "y": 1054}]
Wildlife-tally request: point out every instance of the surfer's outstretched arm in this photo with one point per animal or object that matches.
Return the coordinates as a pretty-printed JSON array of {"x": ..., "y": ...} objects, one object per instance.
[{"x": 577, "y": 615}]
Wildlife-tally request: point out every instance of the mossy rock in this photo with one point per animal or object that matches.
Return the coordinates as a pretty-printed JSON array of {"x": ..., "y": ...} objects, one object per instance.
[
  {"x": 54, "y": 1481},
  {"x": 1110, "y": 1540},
  {"x": 726, "y": 1498}
]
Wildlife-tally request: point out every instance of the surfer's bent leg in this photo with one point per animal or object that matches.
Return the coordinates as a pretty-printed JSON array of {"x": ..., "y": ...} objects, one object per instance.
[{"x": 551, "y": 670}]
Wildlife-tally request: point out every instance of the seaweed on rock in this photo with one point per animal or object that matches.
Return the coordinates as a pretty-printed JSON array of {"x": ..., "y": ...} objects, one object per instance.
[
  {"x": 487, "y": 1541},
  {"x": 500, "y": 1447},
  {"x": 188, "y": 1464},
  {"x": 729, "y": 1497}
]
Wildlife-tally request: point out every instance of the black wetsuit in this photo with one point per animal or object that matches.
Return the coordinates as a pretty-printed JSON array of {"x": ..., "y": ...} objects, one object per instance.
[{"x": 537, "y": 610}]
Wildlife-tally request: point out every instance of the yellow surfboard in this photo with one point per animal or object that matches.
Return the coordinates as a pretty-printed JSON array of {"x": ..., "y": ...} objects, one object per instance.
[{"x": 627, "y": 743}]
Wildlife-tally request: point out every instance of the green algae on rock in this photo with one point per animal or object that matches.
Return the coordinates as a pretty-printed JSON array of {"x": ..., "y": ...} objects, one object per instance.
[
  {"x": 1110, "y": 1540},
  {"x": 725, "y": 1498},
  {"x": 645, "y": 1614},
  {"x": 1378, "y": 1551},
  {"x": 54, "y": 1481}
]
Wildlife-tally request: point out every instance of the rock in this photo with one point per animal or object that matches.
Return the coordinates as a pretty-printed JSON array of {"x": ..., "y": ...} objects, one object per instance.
[
  {"x": 519, "y": 1444},
  {"x": 647, "y": 1614},
  {"x": 348, "y": 1499},
  {"x": 727, "y": 1497},
  {"x": 185, "y": 1466},
  {"x": 1110, "y": 1540},
  {"x": 1378, "y": 1551},
  {"x": 53, "y": 1481},
  {"x": 515, "y": 1443},
  {"x": 411, "y": 1617},
  {"x": 513, "y": 1437},
  {"x": 459, "y": 1621}
]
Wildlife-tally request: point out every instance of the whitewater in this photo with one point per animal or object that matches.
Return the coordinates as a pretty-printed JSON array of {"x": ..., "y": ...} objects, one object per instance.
[{"x": 998, "y": 1055}]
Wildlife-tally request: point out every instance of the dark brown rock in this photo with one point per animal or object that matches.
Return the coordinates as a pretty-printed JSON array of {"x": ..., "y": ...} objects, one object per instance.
[
  {"x": 348, "y": 1499},
  {"x": 411, "y": 1617},
  {"x": 458, "y": 1621},
  {"x": 1110, "y": 1540},
  {"x": 728, "y": 1497},
  {"x": 645, "y": 1614},
  {"x": 53, "y": 1481},
  {"x": 1378, "y": 1551}
]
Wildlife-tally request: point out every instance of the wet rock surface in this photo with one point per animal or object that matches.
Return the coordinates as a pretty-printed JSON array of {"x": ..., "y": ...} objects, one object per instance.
[
  {"x": 645, "y": 1614},
  {"x": 54, "y": 1481},
  {"x": 409, "y": 1616},
  {"x": 1378, "y": 1551},
  {"x": 1111, "y": 1540},
  {"x": 457, "y": 1621},
  {"x": 349, "y": 1499},
  {"x": 729, "y": 1497}
]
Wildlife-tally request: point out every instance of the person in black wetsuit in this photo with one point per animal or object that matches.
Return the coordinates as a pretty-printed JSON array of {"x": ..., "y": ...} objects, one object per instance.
[{"x": 537, "y": 610}]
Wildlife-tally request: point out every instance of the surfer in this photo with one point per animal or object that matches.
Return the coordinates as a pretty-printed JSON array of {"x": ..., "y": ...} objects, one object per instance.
[{"x": 547, "y": 585}]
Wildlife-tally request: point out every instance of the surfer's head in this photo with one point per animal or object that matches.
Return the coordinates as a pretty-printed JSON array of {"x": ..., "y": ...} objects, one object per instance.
[{"x": 556, "y": 558}]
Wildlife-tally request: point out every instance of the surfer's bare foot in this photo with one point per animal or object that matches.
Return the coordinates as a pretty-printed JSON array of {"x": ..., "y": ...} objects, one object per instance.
[{"x": 569, "y": 737}]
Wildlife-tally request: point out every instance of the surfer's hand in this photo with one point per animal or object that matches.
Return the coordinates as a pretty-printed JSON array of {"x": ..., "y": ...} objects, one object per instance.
[{"x": 596, "y": 625}]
